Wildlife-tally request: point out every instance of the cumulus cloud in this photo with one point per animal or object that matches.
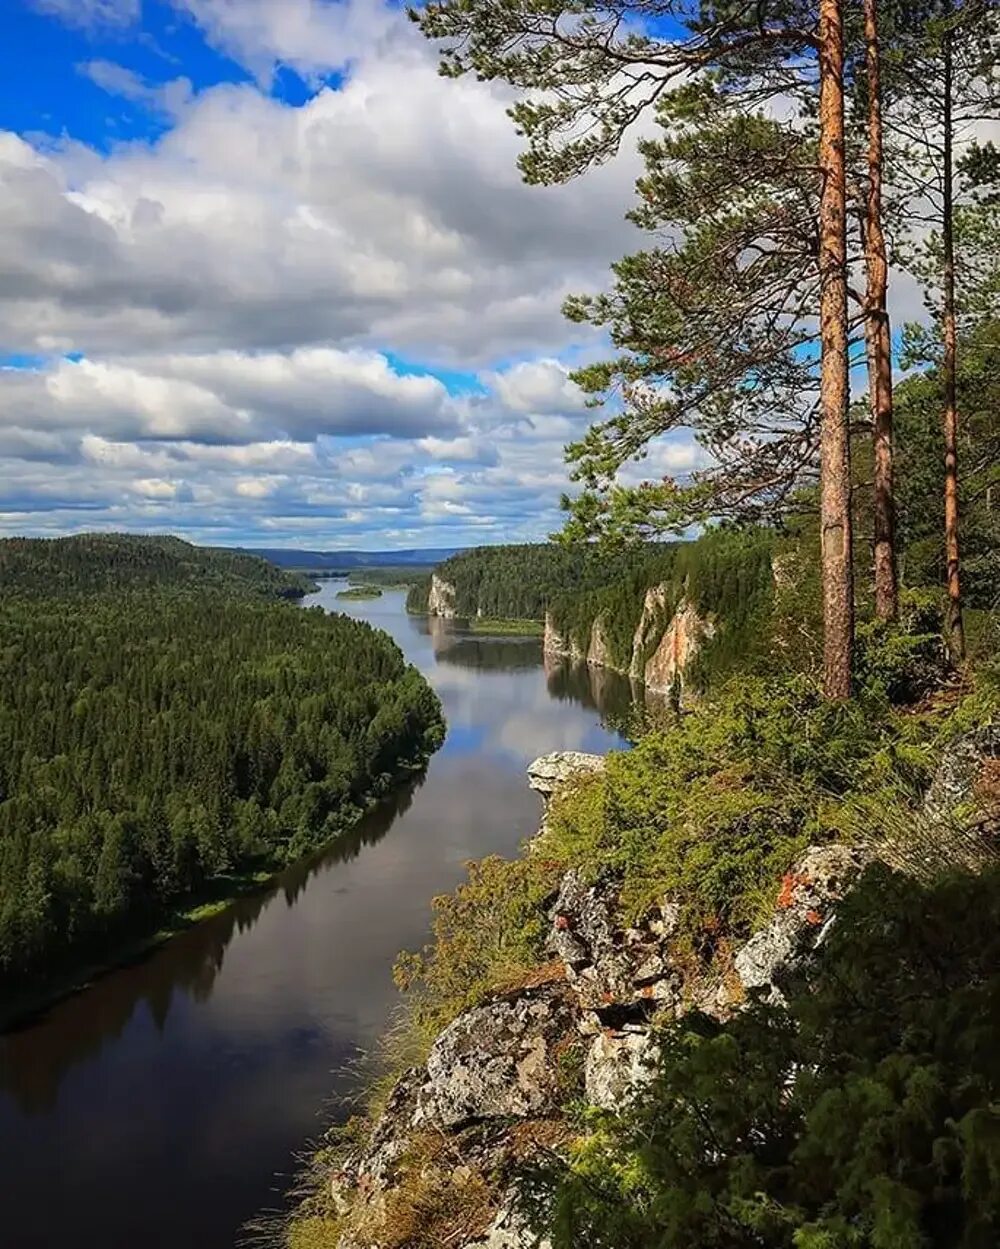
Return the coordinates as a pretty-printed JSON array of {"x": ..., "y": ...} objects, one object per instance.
[
  {"x": 219, "y": 310},
  {"x": 540, "y": 386},
  {"x": 313, "y": 36},
  {"x": 388, "y": 212}
]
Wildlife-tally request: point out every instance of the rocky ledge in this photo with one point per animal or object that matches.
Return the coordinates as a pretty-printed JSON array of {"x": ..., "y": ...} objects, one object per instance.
[
  {"x": 491, "y": 1089},
  {"x": 550, "y": 772}
]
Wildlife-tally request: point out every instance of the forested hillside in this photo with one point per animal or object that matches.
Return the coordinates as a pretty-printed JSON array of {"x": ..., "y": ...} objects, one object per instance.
[
  {"x": 519, "y": 582},
  {"x": 158, "y": 740},
  {"x": 726, "y": 577},
  {"x": 115, "y": 561}
]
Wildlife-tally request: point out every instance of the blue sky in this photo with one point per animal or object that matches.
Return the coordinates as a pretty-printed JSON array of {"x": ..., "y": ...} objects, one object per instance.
[{"x": 268, "y": 278}]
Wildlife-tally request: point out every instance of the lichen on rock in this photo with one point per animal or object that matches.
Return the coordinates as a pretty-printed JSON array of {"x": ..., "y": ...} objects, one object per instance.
[
  {"x": 550, "y": 772},
  {"x": 496, "y": 1060}
]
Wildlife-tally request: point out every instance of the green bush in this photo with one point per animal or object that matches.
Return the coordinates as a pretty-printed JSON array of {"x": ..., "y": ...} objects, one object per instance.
[
  {"x": 714, "y": 810},
  {"x": 904, "y": 661},
  {"x": 866, "y": 1115}
]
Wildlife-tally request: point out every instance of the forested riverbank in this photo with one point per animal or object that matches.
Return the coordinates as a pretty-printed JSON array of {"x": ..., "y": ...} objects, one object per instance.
[{"x": 171, "y": 742}]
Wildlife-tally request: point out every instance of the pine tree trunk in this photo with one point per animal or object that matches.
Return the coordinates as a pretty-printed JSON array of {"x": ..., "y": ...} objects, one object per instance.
[
  {"x": 879, "y": 337},
  {"x": 835, "y": 482},
  {"x": 954, "y": 625}
]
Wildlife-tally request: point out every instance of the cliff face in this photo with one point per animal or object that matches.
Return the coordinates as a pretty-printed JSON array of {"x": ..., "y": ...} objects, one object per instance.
[
  {"x": 558, "y": 644},
  {"x": 662, "y": 646},
  {"x": 682, "y": 640},
  {"x": 490, "y": 1093},
  {"x": 441, "y": 599}
]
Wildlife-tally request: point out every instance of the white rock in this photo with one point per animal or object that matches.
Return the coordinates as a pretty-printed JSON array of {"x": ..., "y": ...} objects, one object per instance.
[
  {"x": 618, "y": 1065},
  {"x": 549, "y": 772}
]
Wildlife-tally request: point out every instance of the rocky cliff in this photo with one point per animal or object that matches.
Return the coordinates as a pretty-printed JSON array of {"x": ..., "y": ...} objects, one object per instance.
[
  {"x": 441, "y": 598},
  {"x": 497, "y": 1079},
  {"x": 663, "y": 646}
]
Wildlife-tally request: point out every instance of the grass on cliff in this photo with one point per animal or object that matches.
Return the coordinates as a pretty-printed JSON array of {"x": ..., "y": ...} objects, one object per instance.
[{"x": 710, "y": 811}]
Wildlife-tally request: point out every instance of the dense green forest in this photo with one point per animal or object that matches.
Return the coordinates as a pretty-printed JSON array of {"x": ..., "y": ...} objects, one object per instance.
[
  {"x": 726, "y": 576},
  {"x": 519, "y": 582},
  {"x": 157, "y": 739},
  {"x": 98, "y": 561}
]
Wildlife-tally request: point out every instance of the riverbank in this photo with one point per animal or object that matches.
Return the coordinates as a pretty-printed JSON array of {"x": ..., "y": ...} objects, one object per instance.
[
  {"x": 687, "y": 876},
  {"x": 219, "y": 893},
  {"x": 514, "y": 628},
  {"x": 230, "y": 1036}
]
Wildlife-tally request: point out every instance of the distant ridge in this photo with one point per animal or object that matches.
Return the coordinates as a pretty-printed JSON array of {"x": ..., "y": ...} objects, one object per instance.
[{"x": 286, "y": 557}]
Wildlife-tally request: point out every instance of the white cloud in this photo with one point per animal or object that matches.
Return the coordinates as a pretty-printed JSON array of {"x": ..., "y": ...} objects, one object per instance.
[
  {"x": 91, "y": 13},
  {"x": 388, "y": 213},
  {"x": 223, "y": 307},
  {"x": 168, "y": 98},
  {"x": 541, "y": 386},
  {"x": 313, "y": 36}
]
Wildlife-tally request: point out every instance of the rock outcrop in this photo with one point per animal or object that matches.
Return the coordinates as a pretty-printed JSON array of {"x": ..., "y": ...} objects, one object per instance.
[
  {"x": 617, "y": 1065},
  {"x": 496, "y": 1061},
  {"x": 549, "y": 772},
  {"x": 663, "y": 646},
  {"x": 441, "y": 598},
  {"x": 773, "y": 958},
  {"x": 502, "y": 1070},
  {"x": 560, "y": 644},
  {"x": 509, "y": 1229},
  {"x": 963, "y": 768},
  {"x": 681, "y": 641}
]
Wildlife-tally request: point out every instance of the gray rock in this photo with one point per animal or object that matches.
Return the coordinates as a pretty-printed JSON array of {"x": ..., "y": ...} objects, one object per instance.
[
  {"x": 771, "y": 959},
  {"x": 616, "y": 1066},
  {"x": 510, "y": 1231},
  {"x": 496, "y": 1061},
  {"x": 549, "y": 772},
  {"x": 607, "y": 967},
  {"x": 959, "y": 769},
  {"x": 564, "y": 945}
]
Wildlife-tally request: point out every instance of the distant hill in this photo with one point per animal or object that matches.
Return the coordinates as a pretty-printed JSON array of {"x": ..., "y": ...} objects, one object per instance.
[
  {"x": 96, "y": 562},
  {"x": 344, "y": 561}
]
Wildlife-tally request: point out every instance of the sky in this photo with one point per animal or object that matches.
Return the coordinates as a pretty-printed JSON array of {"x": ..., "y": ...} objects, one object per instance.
[{"x": 268, "y": 279}]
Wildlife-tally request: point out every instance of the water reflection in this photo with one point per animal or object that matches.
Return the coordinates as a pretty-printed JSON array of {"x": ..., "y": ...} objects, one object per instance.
[
  {"x": 35, "y": 1058},
  {"x": 161, "y": 1106}
]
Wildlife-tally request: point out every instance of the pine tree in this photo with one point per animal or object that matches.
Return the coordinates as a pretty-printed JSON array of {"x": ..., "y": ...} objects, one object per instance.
[
  {"x": 944, "y": 84},
  {"x": 599, "y": 70},
  {"x": 877, "y": 328}
]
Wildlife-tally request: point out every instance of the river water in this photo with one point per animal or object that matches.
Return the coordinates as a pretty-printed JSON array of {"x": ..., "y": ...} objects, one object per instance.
[{"x": 163, "y": 1106}]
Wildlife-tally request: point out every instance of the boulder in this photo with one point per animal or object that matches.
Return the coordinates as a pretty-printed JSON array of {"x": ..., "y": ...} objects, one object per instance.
[
  {"x": 617, "y": 1065},
  {"x": 550, "y": 772},
  {"x": 771, "y": 959},
  {"x": 497, "y": 1061}
]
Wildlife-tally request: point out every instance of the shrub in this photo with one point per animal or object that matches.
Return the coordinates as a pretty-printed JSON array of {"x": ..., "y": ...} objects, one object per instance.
[
  {"x": 489, "y": 931},
  {"x": 865, "y": 1115}
]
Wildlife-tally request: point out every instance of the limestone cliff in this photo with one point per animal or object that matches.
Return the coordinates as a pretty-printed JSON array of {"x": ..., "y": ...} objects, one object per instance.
[
  {"x": 441, "y": 598},
  {"x": 681, "y": 641},
  {"x": 559, "y": 644},
  {"x": 664, "y": 643},
  {"x": 492, "y": 1089}
]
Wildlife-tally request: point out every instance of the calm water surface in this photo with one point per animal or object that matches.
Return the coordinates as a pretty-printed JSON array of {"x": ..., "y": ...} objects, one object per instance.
[{"x": 162, "y": 1107}]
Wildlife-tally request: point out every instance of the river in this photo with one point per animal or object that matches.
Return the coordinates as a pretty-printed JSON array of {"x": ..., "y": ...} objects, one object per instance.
[{"x": 163, "y": 1106}]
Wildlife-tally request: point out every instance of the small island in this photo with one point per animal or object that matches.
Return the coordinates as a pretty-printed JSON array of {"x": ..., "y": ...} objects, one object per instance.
[{"x": 360, "y": 592}]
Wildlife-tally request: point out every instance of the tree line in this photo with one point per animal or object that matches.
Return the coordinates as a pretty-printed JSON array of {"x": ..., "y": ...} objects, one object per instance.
[
  {"x": 156, "y": 740},
  {"x": 801, "y": 153},
  {"x": 517, "y": 582},
  {"x": 110, "y": 561}
]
